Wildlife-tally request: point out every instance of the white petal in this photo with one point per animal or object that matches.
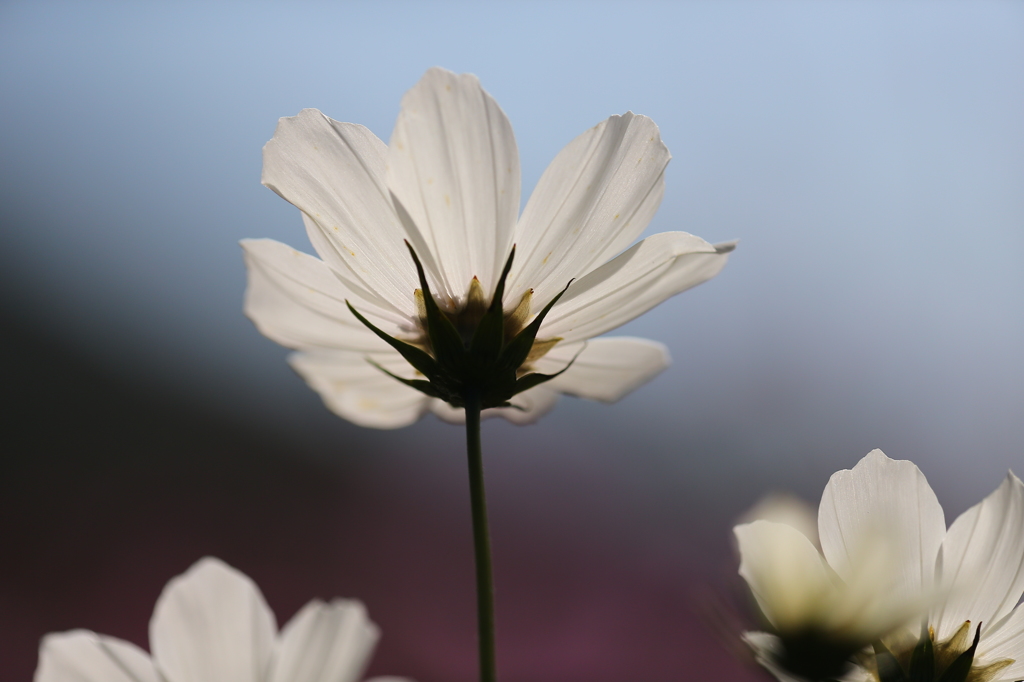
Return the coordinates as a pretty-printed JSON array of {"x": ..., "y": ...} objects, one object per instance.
[
  {"x": 454, "y": 167},
  {"x": 785, "y": 572},
  {"x": 83, "y": 656},
  {"x": 211, "y": 624},
  {"x": 883, "y": 499},
  {"x": 354, "y": 389},
  {"x": 447, "y": 413},
  {"x": 767, "y": 650},
  {"x": 660, "y": 266},
  {"x": 334, "y": 172},
  {"x": 297, "y": 300},
  {"x": 1005, "y": 640},
  {"x": 593, "y": 201},
  {"x": 403, "y": 307},
  {"x": 607, "y": 369},
  {"x": 857, "y": 674},
  {"x": 325, "y": 643},
  {"x": 982, "y": 560},
  {"x": 787, "y": 509},
  {"x": 530, "y": 405}
]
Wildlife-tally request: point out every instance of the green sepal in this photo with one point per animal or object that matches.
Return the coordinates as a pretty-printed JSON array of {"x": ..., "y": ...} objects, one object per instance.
[
  {"x": 458, "y": 363},
  {"x": 489, "y": 336},
  {"x": 417, "y": 357},
  {"x": 528, "y": 381},
  {"x": 889, "y": 669},
  {"x": 960, "y": 668},
  {"x": 525, "y": 383},
  {"x": 445, "y": 339},
  {"x": 498, "y": 388},
  {"x": 922, "y": 660},
  {"x": 420, "y": 385},
  {"x": 518, "y": 349}
]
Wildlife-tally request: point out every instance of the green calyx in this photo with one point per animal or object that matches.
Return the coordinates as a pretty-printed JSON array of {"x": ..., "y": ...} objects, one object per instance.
[
  {"x": 814, "y": 655},
  {"x": 928, "y": 661},
  {"x": 819, "y": 657},
  {"x": 478, "y": 350}
]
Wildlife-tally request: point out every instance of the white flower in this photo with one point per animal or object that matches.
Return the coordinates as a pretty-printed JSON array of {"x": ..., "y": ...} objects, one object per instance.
[
  {"x": 972, "y": 574},
  {"x": 786, "y": 509},
  {"x": 820, "y": 622},
  {"x": 448, "y": 184},
  {"x": 211, "y": 624}
]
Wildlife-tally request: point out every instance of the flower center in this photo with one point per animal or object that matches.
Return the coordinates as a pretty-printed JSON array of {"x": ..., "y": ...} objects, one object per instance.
[
  {"x": 904, "y": 658},
  {"x": 472, "y": 352},
  {"x": 467, "y": 315}
]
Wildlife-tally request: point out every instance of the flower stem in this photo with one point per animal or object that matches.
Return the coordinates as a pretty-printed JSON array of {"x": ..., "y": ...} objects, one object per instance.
[{"x": 481, "y": 540}]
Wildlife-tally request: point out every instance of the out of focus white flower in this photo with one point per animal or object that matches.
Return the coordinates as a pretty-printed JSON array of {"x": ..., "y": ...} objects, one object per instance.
[
  {"x": 819, "y": 621},
  {"x": 448, "y": 184},
  {"x": 886, "y": 551},
  {"x": 211, "y": 624},
  {"x": 787, "y": 509}
]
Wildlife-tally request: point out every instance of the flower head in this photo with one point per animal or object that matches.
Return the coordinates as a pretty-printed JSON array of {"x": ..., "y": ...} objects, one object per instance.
[
  {"x": 819, "y": 622},
  {"x": 886, "y": 553},
  {"x": 211, "y": 624},
  {"x": 431, "y": 284}
]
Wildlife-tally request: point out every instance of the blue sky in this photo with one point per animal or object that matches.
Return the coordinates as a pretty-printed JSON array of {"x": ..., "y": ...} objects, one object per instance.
[{"x": 869, "y": 156}]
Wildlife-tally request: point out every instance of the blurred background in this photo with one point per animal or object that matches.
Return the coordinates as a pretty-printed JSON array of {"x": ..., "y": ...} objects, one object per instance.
[{"x": 869, "y": 155}]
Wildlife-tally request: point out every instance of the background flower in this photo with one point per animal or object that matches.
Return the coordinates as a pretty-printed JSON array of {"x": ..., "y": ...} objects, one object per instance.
[
  {"x": 883, "y": 533},
  {"x": 977, "y": 565},
  {"x": 211, "y": 624}
]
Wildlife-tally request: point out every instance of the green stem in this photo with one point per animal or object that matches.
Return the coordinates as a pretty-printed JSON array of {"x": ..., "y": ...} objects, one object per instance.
[{"x": 481, "y": 541}]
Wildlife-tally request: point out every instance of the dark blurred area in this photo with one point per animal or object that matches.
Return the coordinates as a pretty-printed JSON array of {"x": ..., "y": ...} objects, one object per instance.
[{"x": 108, "y": 490}]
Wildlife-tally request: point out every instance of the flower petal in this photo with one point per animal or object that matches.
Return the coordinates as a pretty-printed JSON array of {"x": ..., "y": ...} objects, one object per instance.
[
  {"x": 881, "y": 497},
  {"x": 593, "y": 201},
  {"x": 784, "y": 571},
  {"x": 83, "y": 656},
  {"x": 607, "y": 369},
  {"x": 1006, "y": 640},
  {"x": 334, "y": 172},
  {"x": 767, "y": 650},
  {"x": 454, "y": 167},
  {"x": 787, "y": 509},
  {"x": 325, "y": 643},
  {"x": 297, "y": 301},
  {"x": 982, "y": 561},
  {"x": 530, "y": 406},
  {"x": 354, "y": 389},
  {"x": 629, "y": 285},
  {"x": 211, "y": 624}
]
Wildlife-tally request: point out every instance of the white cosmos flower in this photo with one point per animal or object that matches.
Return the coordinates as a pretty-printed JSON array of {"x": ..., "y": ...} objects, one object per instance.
[
  {"x": 449, "y": 184},
  {"x": 972, "y": 574},
  {"x": 819, "y": 621},
  {"x": 211, "y": 624}
]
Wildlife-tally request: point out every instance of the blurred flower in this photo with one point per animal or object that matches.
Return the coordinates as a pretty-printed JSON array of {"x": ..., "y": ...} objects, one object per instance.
[
  {"x": 884, "y": 538},
  {"x": 819, "y": 621},
  {"x": 211, "y": 624},
  {"x": 448, "y": 185},
  {"x": 787, "y": 509}
]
